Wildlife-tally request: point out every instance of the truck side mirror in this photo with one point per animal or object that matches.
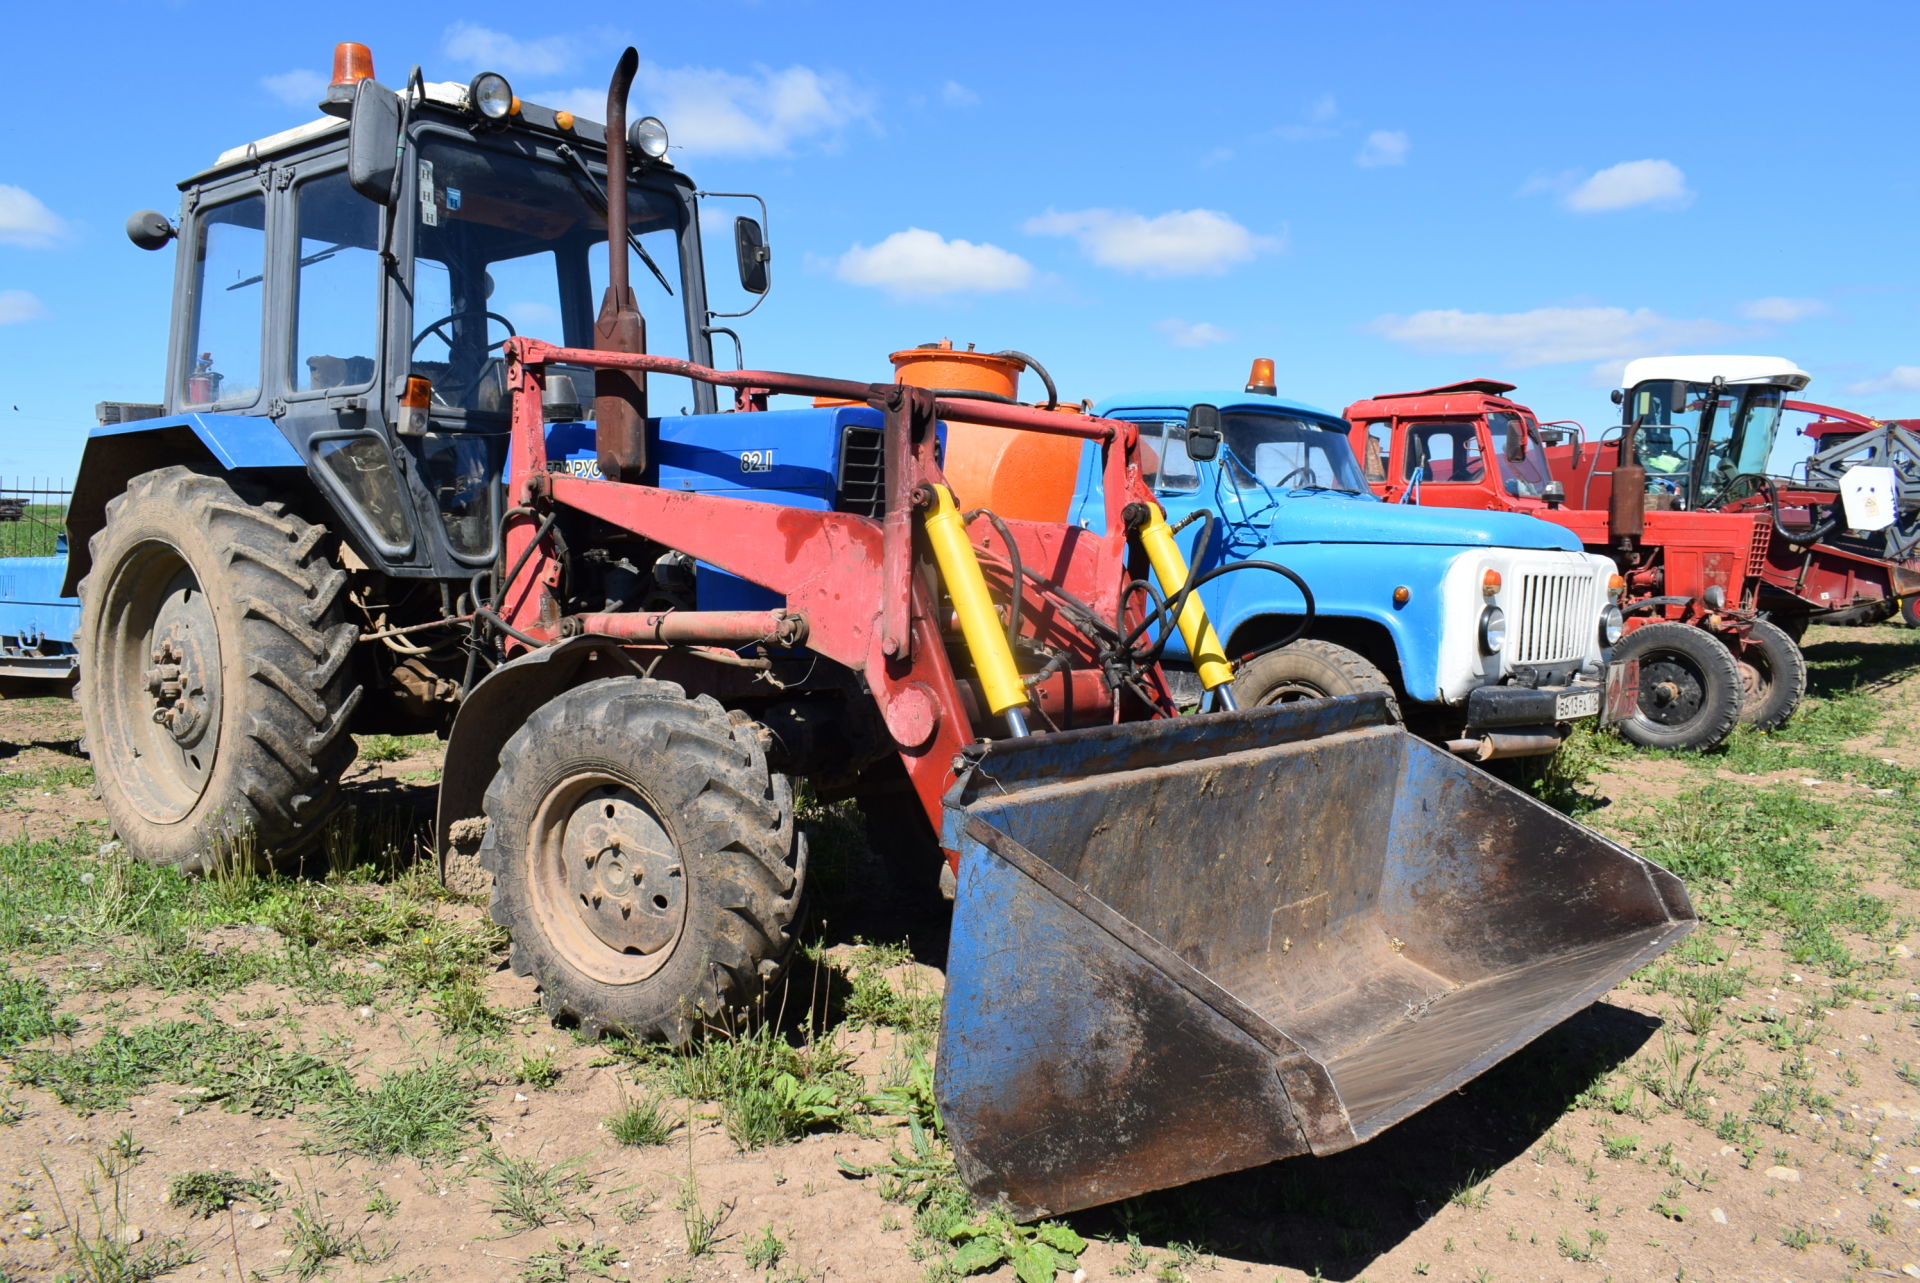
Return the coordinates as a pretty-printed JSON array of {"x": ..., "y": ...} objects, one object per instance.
[
  {"x": 150, "y": 229},
  {"x": 373, "y": 142},
  {"x": 750, "y": 247},
  {"x": 1203, "y": 433}
]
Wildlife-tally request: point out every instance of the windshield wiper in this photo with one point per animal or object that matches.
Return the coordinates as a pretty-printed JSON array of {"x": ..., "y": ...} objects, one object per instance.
[
  {"x": 599, "y": 193},
  {"x": 318, "y": 256}
]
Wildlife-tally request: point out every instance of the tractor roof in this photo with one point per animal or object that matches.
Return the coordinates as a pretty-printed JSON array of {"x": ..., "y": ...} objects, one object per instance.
[
  {"x": 1180, "y": 402},
  {"x": 1487, "y": 387},
  {"x": 1704, "y": 369}
]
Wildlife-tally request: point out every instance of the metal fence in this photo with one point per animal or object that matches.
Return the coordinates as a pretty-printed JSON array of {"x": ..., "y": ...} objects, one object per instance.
[{"x": 33, "y": 516}]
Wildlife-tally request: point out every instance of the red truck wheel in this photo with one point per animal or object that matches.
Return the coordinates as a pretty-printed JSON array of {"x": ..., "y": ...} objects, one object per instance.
[
  {"x": 1773, "y": 676},
  {"x": 645, "y": 859},
  {"x": 1690, "y": 691}
]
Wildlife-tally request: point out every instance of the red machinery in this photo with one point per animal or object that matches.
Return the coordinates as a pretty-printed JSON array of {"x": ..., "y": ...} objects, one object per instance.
[{"x": 1706, "y": 658}]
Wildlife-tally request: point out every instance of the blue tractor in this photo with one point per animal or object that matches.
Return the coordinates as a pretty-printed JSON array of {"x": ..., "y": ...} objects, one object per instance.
[{"x": 1491, "y": 630}]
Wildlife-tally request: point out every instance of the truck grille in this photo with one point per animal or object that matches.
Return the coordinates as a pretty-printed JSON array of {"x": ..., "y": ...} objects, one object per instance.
[
  {"x": 1557, "y": 612},
  {"x": 1757, "y": 554}
]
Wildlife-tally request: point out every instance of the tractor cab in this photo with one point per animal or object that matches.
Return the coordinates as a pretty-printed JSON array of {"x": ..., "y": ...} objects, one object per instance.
[
  {"x": 1462, "y": 445},
  {"x": 350, "y": 285}
]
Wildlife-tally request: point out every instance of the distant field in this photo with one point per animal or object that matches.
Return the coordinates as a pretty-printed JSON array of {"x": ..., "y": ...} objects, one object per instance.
[{"x": 34, "y": 534}]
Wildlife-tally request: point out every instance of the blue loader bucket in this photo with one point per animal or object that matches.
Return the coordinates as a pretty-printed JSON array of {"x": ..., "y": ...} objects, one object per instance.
[{"x": 1191, "y": 946}]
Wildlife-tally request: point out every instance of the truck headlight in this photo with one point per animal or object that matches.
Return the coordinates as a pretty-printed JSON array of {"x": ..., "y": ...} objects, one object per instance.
[
  {"x": 648, "y": 137},
  {"x": 489, "y": 94},
  {"x": 1493, "y": 629},
  {"x": 1612, "y": 624}
]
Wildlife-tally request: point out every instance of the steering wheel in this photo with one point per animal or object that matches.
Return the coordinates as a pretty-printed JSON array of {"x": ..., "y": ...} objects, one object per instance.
[
  {"x": 444, "y": 337},
  {"x": 1304, "y": 472}
]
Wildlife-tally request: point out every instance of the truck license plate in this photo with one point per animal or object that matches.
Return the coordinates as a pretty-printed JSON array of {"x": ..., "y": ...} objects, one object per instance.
[{"x": 1576, "y": 704}]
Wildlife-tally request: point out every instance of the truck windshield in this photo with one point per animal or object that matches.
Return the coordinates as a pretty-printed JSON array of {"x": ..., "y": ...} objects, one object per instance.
[
  {"x": 1271, "y": 451},
  {"x": 505, "y": 243},
  {"x": 1739, "y": 437},
  {"x": 1521, "y": 460}
]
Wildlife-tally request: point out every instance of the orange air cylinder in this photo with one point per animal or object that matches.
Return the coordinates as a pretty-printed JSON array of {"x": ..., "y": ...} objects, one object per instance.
[{"x": 1025, "y": 475}]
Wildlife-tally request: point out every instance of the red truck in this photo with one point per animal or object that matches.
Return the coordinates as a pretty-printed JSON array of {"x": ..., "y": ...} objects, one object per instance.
[{"x": 1690, "y": 614}]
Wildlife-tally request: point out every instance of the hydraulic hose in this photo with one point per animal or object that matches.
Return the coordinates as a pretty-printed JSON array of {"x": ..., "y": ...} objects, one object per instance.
[
  {"x": 1053, "y": 395},
  {"x": 1013, "y": 559},
  {"x": 1799, "y": 539}
]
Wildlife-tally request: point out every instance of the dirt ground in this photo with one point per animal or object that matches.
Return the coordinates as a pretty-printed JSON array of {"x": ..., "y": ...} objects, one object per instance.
[{"x": 1747, "y": 1108}]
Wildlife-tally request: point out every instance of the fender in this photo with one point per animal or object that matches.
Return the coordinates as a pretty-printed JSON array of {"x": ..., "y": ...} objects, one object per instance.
[
  {"x": 116, "y": 453},
  {"x": 497, "y": 707},
  {"x": 1351, "y": 581}
]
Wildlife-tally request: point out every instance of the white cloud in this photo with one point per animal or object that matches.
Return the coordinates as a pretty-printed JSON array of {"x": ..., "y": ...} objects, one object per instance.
[
  {"x": 713, "y": 112},
  {"x": 301, "y": 87},
  {"x": 955, "y": 94},
  {"x": 1191, "y": 333},
  {"x": 1631, "y": 183},
  {"x": 1181, "y": 242},
  {"x": 917, "y": 262},
  {"x": 1217, "y": 156},
  {"x": 1383, "y": 147},
  {"x": 1782, "y": 311},
  {"x": 1323, "y": 110},
  {"x": 1901, "y": 378},
  {"x": 484, "y": 49},
  {"x": 1547, "y": 335},
  {"x": 25, "y": 221},
  {"x": 1321, "y": 115},
  {"x": 18, "y": 305}
]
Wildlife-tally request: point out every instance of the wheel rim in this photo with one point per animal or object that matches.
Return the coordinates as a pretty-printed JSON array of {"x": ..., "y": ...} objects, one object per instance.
[
  {"x": 161, "y": 682},
  {"x": 1291, "y": 691},
  {"x": 1756, "y": 681},
  {"x": 607, "y": 879},
  {"x": 1672, "y": 691}
]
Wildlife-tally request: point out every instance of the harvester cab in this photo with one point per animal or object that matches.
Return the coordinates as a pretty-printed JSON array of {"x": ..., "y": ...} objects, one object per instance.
[{"x": 1271, "y": 931}]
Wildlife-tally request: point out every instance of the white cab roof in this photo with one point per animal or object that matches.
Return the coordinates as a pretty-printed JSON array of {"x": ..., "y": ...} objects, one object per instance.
[
  {"x": 440, "y": 91},
  {"x": 1703, "y": 369}
]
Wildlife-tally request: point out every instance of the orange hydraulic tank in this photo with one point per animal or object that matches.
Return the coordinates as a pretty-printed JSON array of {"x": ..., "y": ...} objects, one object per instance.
[{"x": 1025, "y": 475}]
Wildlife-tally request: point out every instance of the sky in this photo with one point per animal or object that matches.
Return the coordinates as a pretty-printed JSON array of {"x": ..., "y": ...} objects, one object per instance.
[{"x": 1380, "y": 197}]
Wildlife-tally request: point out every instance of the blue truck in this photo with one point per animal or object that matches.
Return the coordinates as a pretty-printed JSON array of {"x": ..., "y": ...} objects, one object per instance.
[
  {"x": 1490, "y": 629},
  {"x": 37, "y": 621}
]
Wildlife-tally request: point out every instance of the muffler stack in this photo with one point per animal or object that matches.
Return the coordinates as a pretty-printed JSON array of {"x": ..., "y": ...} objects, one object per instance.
[{"x": 1190, "y": 946}]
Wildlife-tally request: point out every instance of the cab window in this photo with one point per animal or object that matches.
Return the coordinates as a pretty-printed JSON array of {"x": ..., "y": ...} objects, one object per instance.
[
  {"x": 1444, "y": 452},
  {"x": 1373, "y": 456},
  {"x": 228, "y": 282},
  {"x": 339, "y": 272},
  {"x": 1163, "y": 458}
]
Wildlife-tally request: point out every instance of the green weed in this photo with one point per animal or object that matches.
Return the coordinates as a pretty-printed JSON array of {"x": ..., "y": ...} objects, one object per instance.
[
  {"x": 568, "y": 1260},
  {"x": 640, "y": 1122},
  {"x": 27, "y": 1012},
  {"x": 204, "y": 1193},
  {"x": 315, "y": 1240},
  {"x": 529, "y": 1194},
  {"x": 425, "y": 1112}
]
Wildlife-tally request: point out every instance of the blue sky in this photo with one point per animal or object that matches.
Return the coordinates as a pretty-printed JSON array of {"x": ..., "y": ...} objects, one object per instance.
[{"x": 1378, "y": 196}]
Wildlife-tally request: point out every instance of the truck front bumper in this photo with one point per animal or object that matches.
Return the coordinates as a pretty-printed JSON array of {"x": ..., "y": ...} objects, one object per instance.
[{"x": 1517, "y": 721}]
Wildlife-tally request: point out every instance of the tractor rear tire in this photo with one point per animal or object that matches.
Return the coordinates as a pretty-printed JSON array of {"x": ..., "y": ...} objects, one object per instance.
[
  {"x": 645, "y": 859},
  {"x": 1690, "y": 691},
  {"x": 215, "y": 686},
  {"x": 1310, "y": 669},
  {"x": 1773, "y": 676}
]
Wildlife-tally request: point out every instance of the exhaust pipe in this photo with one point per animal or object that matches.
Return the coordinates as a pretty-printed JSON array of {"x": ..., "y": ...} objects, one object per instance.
[
  {"x": 1627, "y": 504},
  {"x": 1495, "y": 744},
  {"x": 619, "y": 396}
]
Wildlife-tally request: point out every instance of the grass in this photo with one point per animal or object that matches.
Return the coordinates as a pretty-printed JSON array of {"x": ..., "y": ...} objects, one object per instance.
[
  {"x": 770, "y": 1087},
  {"x": 570, "y": 1260},
  {"x": 27, "y": 1012},
  {"x": 529, "y": 1194},
  {"x": 243, "y": 1070},
  {"x": 640, "y": 1122},
  {"x": 205, "y": 1193},
  {"x": 315, "y": 1240},
  {"x": 425, "y": 1112}
]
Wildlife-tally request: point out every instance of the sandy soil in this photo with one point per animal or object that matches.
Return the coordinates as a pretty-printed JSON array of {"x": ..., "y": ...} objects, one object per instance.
[{"x": 1566, "y": 1162}]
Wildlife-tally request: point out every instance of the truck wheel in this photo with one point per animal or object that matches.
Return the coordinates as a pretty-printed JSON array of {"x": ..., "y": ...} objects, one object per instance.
[
  {"x": 644, "y": 858},
  {"x": 1773, "y": 676},
  {"x": 1689, "y": 687},
  {"x": 1310, "y": 669},
  {"x": 214, "y": 684},
  {"x": 1909, "y": 612}
]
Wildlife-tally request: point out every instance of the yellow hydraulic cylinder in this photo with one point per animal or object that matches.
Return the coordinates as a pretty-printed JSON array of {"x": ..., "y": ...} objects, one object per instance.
[
  {"x": 1170, "y": 568},
  {"x": 979, "y": 622}
]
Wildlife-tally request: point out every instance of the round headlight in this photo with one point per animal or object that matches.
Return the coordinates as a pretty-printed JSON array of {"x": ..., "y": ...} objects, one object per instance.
[
  {"x": 1493, "y": 629},
  {"x": 1612, "y": 624},
  {"x": 490, "y": 95},
  {"x": 648, "y": 137}
]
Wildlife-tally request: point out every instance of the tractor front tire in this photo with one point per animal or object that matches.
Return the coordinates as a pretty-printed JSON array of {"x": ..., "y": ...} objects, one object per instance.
[
  {"x": 1690, "y": 690},
  {"x": 645, "y": 859},
  {"x": 1773, "y": 676},
  {"x": 214, "y": 678},
  {"x": 1310, "y": 669}
]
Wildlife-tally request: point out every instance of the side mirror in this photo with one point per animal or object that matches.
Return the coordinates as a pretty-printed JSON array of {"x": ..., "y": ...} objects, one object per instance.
[
  {"x": 150, "y": 229},
  {"x": 373, "y": 142},
  {"x": 1516, "y": 443},
  {"x": 1203, "y": 433},
  {"x": 750, "y": 247}
]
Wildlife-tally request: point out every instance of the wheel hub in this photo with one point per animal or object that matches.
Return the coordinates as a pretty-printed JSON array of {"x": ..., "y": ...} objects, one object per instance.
[
  {"x": 177, "y": 684},
  {"x": 1671, "y": 694},
  {"x": 623, "y": 872}
]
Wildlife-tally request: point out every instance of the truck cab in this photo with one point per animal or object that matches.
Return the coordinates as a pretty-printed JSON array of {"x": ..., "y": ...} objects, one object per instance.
[{"x": 1486, "y": 626}]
